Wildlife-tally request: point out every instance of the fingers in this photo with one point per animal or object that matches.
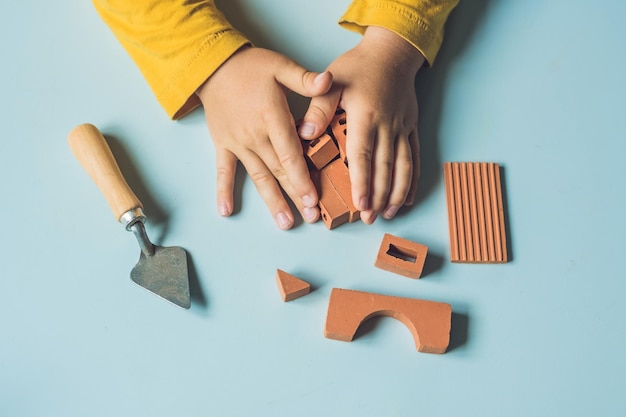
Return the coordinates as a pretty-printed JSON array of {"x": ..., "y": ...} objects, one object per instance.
[
  {"x": 269, "y": 173},
  {"x": 268, "y": 189},
  {"x": 384, "y": 170},
  {"x": 226, "y": 163},
  {"x": 402, "y": 178},
  {"x": 286, "y": 161},
  {"x": 359, "y": 150},
  {"x": 381, "y": 175},
  {"x": 415, "y": 157},
  {"x": 269, "y": 176}
]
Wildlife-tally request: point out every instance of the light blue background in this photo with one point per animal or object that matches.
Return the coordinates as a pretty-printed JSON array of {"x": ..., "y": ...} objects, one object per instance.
[{"x": 537, "y": 86}]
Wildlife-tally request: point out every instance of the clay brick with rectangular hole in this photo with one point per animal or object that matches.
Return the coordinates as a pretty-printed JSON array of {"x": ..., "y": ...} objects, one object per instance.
[
  {"x": 339, "y": 129},
  {"x": 291, "y": 287},
  {"x": 339, "y": 176},
  {"x": 429, "y": 321},
  {"x": 321, "y": 151},
  {"x": 401, "y": 256},
  {"x": 333, "y": 210},
  {"x": 475, "y": 212}
]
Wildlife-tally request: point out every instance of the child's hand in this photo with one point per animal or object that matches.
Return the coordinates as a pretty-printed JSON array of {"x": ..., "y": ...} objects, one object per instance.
[
  {"x": 249, "y": 120},
  {"x": 374, "y": 84}
]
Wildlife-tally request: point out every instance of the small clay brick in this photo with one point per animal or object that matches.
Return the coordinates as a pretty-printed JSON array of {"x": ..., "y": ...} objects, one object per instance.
[
  {"x": 333, "y": 210},
  {"x": 291, "y": 287},
  {"x": 339, "y": 176},
  {"x": 321, "y": 151},
  {"x": 339, "y": 129},
  {"x": 401, "y": 256},
  {"x": 475, "y": 212},
  {"x": 428, "y": 321}
]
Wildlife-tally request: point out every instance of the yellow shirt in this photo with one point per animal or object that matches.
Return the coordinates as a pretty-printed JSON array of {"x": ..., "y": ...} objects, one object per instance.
[{"x": 178, "y": 44}]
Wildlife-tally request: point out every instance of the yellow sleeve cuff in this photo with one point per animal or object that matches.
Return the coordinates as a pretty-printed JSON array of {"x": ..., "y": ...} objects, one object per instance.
[
  {"x": 420, "y": 22},
  {"x": 178, "y": 96},
  {"x": 176, "y": 44}
]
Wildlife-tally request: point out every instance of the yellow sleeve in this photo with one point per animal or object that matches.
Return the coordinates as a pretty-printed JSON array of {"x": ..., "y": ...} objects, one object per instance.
[
  {"x": 420, "y": 22},
  {"x": 177, "y": 44}
]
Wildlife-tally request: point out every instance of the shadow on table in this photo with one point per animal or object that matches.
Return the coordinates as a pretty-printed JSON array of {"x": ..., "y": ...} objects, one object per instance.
[
  {"x": 198, "y": 296},
  {"x": 433, "y": 263},
  {"x": 458, "y": 331},
  {"x": 430, "y": 89},
  {"x": 505, "y": 208},
  {"x": 155, "y": 213}
]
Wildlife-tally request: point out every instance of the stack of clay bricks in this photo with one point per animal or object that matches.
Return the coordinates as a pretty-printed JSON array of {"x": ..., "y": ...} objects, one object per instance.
[{"x": 326, "y": 157}]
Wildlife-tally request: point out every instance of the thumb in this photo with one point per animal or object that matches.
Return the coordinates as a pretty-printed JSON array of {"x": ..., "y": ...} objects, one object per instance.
[
  {"x": 302, "y": 81},
  {"x": 318, "y": 116}
]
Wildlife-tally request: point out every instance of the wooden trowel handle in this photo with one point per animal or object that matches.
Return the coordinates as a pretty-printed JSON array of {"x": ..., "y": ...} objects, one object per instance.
[{"x": 92, "y": 151}]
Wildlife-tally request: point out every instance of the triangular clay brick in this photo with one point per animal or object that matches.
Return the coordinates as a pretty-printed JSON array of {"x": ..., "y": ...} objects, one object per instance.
[{"x": 291, "y": 287}]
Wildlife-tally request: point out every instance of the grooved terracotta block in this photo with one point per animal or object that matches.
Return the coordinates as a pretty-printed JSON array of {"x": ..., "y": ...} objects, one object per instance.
[
  {"x": 401, "y": 256},
  {"x": 333, "y": 210},
  {"x": 291, "y": 287},
  {"x": 321, "y": 151},
  {"x": 475, "y": 212},
  {"x": 339, "y": 130},
  {"x": 428, "y": 321},
  {"x": 339, "y": 176}
]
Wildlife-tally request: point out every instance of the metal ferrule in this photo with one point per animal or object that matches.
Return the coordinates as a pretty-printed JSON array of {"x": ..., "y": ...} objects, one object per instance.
[
  {"x": 134, "y": 221},
  {"x": 131, "y": 217}
]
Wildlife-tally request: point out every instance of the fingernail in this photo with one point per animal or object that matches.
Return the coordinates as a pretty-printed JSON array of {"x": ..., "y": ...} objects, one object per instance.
[
  {"x": 309, "y": 201},
  {"x": 368, "y": 217},
  {"x": 307, "y": 129},
  {"x": 223, "y": 209},
  {"x": 319, "y": 77},
  {"x": 283, "y": 221},
  {"x": 390, "y": 212},
  {"x": 310, "y": 214},
  {"x": 363, "y": 204}
]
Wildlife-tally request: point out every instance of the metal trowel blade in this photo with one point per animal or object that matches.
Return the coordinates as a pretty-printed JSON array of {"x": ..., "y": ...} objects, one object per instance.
[{"x": 164, "y": 274}]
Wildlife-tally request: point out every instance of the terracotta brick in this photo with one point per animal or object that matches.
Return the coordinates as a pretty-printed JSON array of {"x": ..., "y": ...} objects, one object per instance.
[
  {"x": 401, "y": 256},
  {"x": 428, "y": 321},
  {"x": 339, "y": 176},
  {"x": 475, "y": 212},
  {"x": 333, "y": 210},
  {"x": 321, "y": 151},
  {"x": 339, "y": 129},
  {"x": 291, "y": 287}
]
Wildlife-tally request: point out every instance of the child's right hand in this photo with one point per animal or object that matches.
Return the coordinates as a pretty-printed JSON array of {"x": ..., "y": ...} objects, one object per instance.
[
  {"x": 374, "y": 83},
  {"x": 249, "y": 120}
]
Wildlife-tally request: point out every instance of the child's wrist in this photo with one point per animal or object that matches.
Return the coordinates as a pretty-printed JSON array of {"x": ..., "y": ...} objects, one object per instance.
[{"x": 386, "y": 40}]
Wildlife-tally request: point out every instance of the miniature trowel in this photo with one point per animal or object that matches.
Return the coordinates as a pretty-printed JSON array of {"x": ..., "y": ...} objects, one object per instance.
[{"x": 160, "y": 270}]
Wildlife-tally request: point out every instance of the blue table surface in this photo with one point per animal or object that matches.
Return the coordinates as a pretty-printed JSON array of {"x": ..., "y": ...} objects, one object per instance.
[{"x": 537, "y": 86}]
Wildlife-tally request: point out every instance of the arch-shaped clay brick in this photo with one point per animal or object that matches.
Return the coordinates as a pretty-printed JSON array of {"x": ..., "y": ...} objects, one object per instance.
[{"x": 428, "y": 321}]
